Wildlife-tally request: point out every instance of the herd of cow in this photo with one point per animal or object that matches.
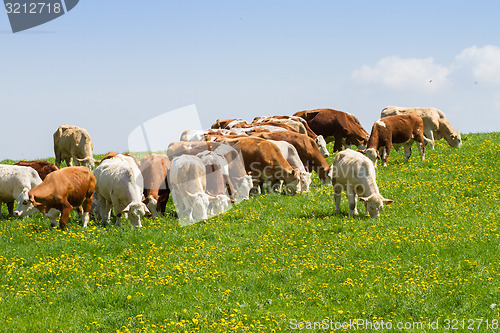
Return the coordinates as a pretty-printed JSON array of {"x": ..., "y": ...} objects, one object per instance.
[{"x": 208, "y": 170}]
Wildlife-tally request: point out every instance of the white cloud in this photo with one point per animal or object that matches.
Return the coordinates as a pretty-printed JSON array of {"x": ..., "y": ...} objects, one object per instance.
[
  {"x": 398, "y": 73},
  {"x": 481, "y": 64},
  {"x": 484, "y": 63}
]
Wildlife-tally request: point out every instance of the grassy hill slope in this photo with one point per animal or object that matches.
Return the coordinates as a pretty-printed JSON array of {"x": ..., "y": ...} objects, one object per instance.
[{"x": 273, "y": 261}]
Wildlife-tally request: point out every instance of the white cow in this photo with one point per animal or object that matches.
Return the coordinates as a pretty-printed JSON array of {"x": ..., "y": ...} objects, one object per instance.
[
  {"x": 187, "y": 182},
  {"x": 436, "y": 126},
  {"x": 120, "y": 186},
  {"x": 217, "y": 180},
  {"x": 354, "y": 173},
  {"x": 292, "y": 156},
  {"x": 73, "y": 143},
  {"x": 13, "y": 181}
]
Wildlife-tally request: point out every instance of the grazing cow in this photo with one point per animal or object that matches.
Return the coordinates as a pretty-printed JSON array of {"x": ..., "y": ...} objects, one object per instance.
[
  {"x": 354, "y": 173},
  {"x": 340, "y": 126},
  {"x": 217, "y": 175},
  {"x": 187, "y": 181},
  {"x": 58, "y": 194},
  {"x": 42, "y": 167},
  {"x": 263, "y": 159},
  {"x": 401, "y": 130},
  {"x": 120, "y": 186},
  {"x": 73, "y": 144},
  {"x": 13, "y": 180},
  {"x": 308, "y": 152},
  {"x": 154, "y": 169},
  {"x": 436, "y": 126},
  {"x": 292, "y": 157},
  {"x": 320, "y": 141}
]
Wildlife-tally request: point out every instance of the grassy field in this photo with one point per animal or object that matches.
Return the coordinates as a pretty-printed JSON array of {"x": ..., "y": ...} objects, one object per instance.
[{"x": 275, "y": 261}]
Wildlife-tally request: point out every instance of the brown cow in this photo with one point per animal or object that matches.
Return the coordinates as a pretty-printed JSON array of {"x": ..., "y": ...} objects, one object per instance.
[
  {"x": 154, "y": 169},
  {"x": 264, "y": 160},
  {"x": 318, "y": 138},
  {"x": 340, "y": 126},
  {"x": 42, "y": 167},
  {"x": 395, "y": 131},
  {"x": 308, "y": 151},
  {"x": 59, "y": 193}
]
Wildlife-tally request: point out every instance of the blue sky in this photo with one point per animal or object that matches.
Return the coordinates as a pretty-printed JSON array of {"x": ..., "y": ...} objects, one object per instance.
[{"x": 109, "y": 66}]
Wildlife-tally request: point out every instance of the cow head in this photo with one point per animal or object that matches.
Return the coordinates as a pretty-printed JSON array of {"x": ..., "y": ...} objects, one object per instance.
[
  {"x": 320, "y": 140},
  {"x": 135, "y": 213},
  {"x": 455, "y": 140},
  {"x": 243, "y": 187},
  {"x": 293, "y": 184},
  {"x": 374, "y": 204},
  {"x": 327, "y": 176},
  {"x": 372, "y": 154},
  {"x": 26, "y": 204},
  {"x": 89, "y": 162},
  {"x": 305, "y": 181},
  {"x": 218, "y": 204},
  {"x": 151, "y": 203},
  {"x": 199, "y": 205}
]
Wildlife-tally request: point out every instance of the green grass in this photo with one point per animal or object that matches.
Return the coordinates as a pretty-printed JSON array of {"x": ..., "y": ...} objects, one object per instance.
[{"x": 432, "y": 255}]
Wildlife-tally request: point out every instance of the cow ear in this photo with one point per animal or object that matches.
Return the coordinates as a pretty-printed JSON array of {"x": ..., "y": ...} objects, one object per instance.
[
  {"x": 363, "y": 151},
  {"x": 388, "y": 201}
]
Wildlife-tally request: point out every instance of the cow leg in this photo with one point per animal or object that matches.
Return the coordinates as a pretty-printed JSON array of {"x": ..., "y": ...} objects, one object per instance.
[
  {"x": 337, "y": 193},
  {"x": 337, "y": 146},
  {"x": 10, "y": 208},
  {"x": 104, "y": 209},
  {"x": 52, "y": 215},
  {"x": 386, "y": 155},
  {"x": 407, "y": 152},
  {"x": 66, "y": 210},
  {"x": 429, "y": 134},
  {"x": 351, "y": 198},
  {"x": 421, "y": 148}
]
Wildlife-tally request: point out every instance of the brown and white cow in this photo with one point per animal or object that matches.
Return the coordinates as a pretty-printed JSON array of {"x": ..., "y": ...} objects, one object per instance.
[
  {"x": 400, "y": 130},
  {"x": 436, "y": 126},
  {"x": 154, "y": 169},
  {"x": 59, "y": 193},
  {"x": 72, "y": 144},
  {"x": 308, "y": 151},
  {"x": 336, "y": 125},
  {"x": 42, "y": 167}
]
